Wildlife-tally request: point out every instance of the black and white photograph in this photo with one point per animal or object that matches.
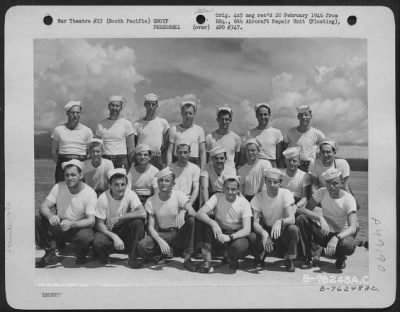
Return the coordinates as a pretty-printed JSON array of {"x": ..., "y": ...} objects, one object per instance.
[{"x": 202, "y": 162}]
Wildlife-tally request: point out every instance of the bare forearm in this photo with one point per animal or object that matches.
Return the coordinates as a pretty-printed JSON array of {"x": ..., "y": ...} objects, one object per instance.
[
  {"x": 84, "y": 223},
  {"x": 102, "y": 228},
  {"x": 133, "y": 214},
  {"x": 308, "y": 213}
]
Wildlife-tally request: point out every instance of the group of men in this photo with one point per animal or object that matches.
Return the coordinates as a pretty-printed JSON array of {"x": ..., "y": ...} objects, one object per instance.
[{"x": 156, "y": 192}]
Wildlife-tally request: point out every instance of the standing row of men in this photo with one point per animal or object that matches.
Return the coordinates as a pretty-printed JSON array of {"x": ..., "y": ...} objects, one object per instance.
[{"x": 172, "y": 197}]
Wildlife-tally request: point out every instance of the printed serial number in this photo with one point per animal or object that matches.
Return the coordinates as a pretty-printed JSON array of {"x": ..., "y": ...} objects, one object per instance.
[
  {"x": 333, "y": 279},
  {"x": 348, "y": 288}
]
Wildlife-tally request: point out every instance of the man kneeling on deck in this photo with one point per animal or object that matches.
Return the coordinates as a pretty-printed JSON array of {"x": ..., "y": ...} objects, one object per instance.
[
  {"x": 120, "y": 219},
  {"x": 170, "y": 223},
  {"x": 336, "y": 228},
  {"x": 230, "y": 228},
  {"x": 274, "y": 220}
]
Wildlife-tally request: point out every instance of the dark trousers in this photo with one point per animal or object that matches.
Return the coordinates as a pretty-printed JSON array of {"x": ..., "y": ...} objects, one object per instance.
[
  {"x": 59, "y": 174},
  {"x": 131, "y": 231},
  {"x": 119, "y": 161},
  {"x": 49, "y": 237},
  {"x": 285, "y": 245},
  {"x": 304, "y": 165},
  {"x": 180, "y": 240},
  {"x": 157, "y": 162},
  {"x": 236, "y": 249},
  {"x": 310, "y": 232}
]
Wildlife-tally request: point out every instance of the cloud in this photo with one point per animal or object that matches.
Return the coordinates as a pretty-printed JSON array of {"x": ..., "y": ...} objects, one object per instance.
[{"x": 75, "y": 69}]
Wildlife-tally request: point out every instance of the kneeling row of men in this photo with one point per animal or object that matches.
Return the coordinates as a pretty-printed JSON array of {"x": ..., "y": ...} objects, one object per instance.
[{"x": 226, "y": 222}]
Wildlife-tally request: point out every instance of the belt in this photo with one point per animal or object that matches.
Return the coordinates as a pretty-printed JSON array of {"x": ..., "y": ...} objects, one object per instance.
[
  {"x": 115, "y": 156},
  {"x": 72, "y": 156},
  {"x": 170, "y": 229}
]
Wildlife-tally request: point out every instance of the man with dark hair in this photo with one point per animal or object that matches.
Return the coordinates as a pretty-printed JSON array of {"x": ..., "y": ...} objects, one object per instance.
[
  {"x": 120, "y": 219},
  {"x": 229, "y": 229},
  {"x": 67, "y": 214}
]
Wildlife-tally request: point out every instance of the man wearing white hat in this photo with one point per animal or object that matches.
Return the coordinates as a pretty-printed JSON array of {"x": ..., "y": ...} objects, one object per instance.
[
  {"x": 274, "y": 221},
  {"x": 187, "y": 174},
  {"x": 304, "y": 136},
  {"x": 327, "y": 159},
  {"x": 120, "y": 219},
  {"x": 228, "y": 231},
  {"x": 251, "y": 173},
  {"x": 171, "y": 225},
  {"x": 271, "y": 139},
  {"x": 336, "y": 228},
  {"x": 223, "y": 136},
  {"x": 211, "y": 176},
  {"x": 67, "y": 214},
  {"x": 152, "y": 130},
  {"x": 141, "y": 175},
  {"x": 295, "y": 180},
  {"x": 70, "y": 140},
  {"x": 117, "y": 134},
  {"x": 96, "y": 168},
  {"x": 189, "y": 131}
]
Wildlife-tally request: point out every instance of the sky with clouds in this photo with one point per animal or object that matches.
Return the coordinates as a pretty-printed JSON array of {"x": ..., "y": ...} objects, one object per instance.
[{"x": 328, "y": 74}]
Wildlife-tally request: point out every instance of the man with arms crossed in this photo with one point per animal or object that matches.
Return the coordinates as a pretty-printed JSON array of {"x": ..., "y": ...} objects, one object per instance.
[
  {"x": 152, "y": 130},
  {"x": 336, "y": 228},
  {"x": 74, "y": 202},
  {"x": 274, "y": 220},
  {"x": 229, "y": 230},
  {"x": 120, "y": 219},
  {"x": 171, "y": 223}
]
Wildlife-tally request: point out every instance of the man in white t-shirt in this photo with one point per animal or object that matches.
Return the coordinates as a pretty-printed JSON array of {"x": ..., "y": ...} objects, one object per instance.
[
  {"x": 117, "y": 134},
  {"x": 271, "y": 139},
  {"x": 225, "y": 137},
  {"x": 152, "y": 130},
  {"x": 187, "y": 174},
  {"x": 251, "y": 174},
  {"x": 67, "y": 214},
  {"x": 211, "y": 177},
  {"x": 120, "y": 219},
  {"x": 304, "y": 136},
  {"x": 274, "y": 220},
  {"x": 141, "y": 175},
  {"x": 294, "y": 179},
  {"x": 70, "y": 140},
  {"x": 328, "y": 160},
  {"x": 229, "y": 230},
  {"x": 336, "y": 228},
  {"x": 171, "y": 225},
  {"x": 189, "y": 131},
  {"x": 96, "y": 168}
]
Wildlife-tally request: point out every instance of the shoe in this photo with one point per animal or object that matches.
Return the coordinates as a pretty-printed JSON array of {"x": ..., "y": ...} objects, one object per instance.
[
  {"x": 159, "y": 259},
  {"x": 189, "y": 265},
  {"x": 135, "y": 263},
  {"x": 49, "y": 258},
  {"x": 290, "y": 265},
  {"x": 310, "y": 262},
  {"x": 233, "y": 265},
  {"x": 225, "y": 260},
  {"x": 80, "y": 260},
  {"x": 340, "y": 263},
  {"x": 205, "y": 267},
  {"x": 259, "y": 261}
]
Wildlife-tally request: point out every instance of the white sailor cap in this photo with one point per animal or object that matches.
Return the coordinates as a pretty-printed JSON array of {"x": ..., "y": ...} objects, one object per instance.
[
  {"x": 96, "y": 140},
  {"x": 263, "y": 104},
  {"x": 116, "y": 98},
  {"x": 254, "y": 141},
  {"x": 164, "y": 172},
  {"x": 151, "y": 97},
  {"x": 225, "y": 108},
  {"x": 142, "y": 148},
  {"x": 329, "y": 142},
  {"x": 330, "y": 174},
  {"x": 217, "y": 150},
  {"x": 72, "y": 162},
  {"x": 273, "y": 173},
  {"x": 189, "y": 102},
  {"x": 113, "y": 172},
  {"x": 71, "y": 104},
  {"x": 291, "y": 152},
  {"x": 230, "y": 177},
  {"x": 303, "y": 109},
  {"x": 183, "y": 141}
]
